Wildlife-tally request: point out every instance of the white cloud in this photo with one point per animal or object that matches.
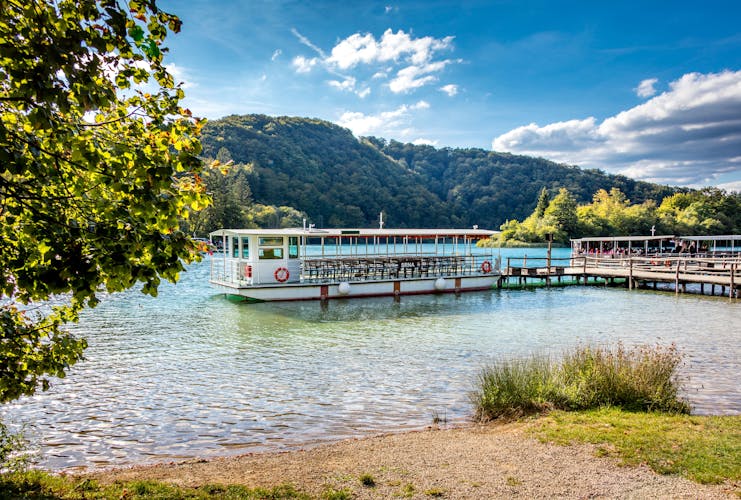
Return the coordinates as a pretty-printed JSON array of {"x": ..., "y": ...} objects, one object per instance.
[
  {"x": 387, "y": 123},
  {"x": 424, "y": 142},
  {"x": 688, "y": 135},
  {"x": 304, "y": 65},
  {"x": 413, "y": 77},
  {"x": 307, "y": 42},
  {"x": 179, "y": 74},
  {"x": 276, "y": 54},
  {"x": 450, "y": 89},
  {"x": 365, "y": 49},
  {"x": 646, "y": 87},
  {"x": 413, "y": 59},
  {"x": 731, "y": 186},
  {"x": 347, "y": 84}
]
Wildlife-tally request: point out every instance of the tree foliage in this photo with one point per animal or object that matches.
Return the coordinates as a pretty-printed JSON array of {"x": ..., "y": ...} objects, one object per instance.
[
  {"x": 98, "y": 166},
  {"x": 705, "y": 212}
]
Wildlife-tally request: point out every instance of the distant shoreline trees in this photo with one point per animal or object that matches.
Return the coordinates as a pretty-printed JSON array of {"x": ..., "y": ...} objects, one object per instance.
[{"x": 709, "y": 211}]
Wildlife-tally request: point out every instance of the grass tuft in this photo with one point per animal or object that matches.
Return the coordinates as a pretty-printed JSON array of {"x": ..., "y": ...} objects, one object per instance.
[
  {"x": 637, "y": 379},
  {"x": 35, "y": 484},
  {"x": 367, "y": 480},
  {"x": 333, "y": 494}
]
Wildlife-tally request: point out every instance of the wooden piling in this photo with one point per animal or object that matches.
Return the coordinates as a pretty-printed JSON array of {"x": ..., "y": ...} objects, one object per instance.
[
  {"x": 676, "y": 279},
  {"x": 733, "y": 272}
]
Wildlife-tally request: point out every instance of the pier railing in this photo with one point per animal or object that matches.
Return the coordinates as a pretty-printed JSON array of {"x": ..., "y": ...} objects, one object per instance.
[{"x": 665, "y": 268}]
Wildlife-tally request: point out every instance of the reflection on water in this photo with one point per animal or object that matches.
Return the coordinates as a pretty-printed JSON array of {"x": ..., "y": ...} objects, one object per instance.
[{"x": 191, "y": 374}]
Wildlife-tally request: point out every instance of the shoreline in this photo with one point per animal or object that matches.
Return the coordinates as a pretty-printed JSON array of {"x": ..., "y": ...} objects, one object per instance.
[{"x": 469, "y": 461}]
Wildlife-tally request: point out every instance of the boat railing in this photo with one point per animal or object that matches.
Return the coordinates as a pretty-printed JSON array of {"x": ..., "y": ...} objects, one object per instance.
[
  {"x": 366, "y": 268},
  {"x": 395, "y": 267},
  {"x": 231, "y": 270}
]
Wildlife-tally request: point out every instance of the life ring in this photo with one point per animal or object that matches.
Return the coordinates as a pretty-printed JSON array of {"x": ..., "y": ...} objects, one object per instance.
[
  {"x": 281, "y": 275},
  {"x": 247, "y": 271},
  {"x": 486, "y": 266},
  {"x": 668, "y": 263}
]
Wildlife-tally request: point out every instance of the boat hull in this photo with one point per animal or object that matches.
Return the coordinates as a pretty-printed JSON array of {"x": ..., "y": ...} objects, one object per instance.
[{"x": 357, "y": 289}]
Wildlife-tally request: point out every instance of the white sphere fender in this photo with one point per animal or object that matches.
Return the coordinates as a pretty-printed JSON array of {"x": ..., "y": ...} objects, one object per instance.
[
  {"x": 440, "y": 284},
  {"x": 344, "y": 288}
]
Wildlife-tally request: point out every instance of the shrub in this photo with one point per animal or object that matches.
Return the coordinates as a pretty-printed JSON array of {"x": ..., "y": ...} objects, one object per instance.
[
  {"x": 638, "y": 379},
  {"x": 513, "y": 387}
]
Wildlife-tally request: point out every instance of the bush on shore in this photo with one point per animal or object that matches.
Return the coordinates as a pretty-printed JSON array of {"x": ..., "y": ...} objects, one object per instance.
[{"x": 642, "y": 378}]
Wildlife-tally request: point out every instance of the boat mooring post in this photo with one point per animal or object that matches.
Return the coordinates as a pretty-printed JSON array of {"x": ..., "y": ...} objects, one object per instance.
[{"x": 549, "y": 239}]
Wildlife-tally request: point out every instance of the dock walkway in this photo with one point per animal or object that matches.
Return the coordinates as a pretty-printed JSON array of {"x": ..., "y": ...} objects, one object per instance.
[{"x": 636, "y": 272}]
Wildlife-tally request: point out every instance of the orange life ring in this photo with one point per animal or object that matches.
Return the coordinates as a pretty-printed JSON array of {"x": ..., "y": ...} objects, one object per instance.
[
  {"x": 247, "y": 271},
  {"x": 486, "y": 266},
  {"x": 281, "y": 275}
]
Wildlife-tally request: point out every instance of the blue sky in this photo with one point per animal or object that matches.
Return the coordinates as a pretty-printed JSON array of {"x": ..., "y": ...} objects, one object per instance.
[{"x": 648, "y": 89}]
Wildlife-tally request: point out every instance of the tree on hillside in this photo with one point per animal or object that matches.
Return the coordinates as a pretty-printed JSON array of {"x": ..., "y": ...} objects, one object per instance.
[
  {"x": 562, "y": 209},
  {"x": 611, "y": 214},
  {"x": 98, "y": 165},
  {"x": 544, "y": 198},
  {"x": 707, "y": 211}
]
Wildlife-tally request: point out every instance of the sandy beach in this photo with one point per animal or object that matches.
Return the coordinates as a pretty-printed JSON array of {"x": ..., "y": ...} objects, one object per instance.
[{"x": 472, "y": 461}]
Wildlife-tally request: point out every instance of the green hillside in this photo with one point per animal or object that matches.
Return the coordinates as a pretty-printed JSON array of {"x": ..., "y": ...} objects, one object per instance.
[{"x": 337, "y": 180}]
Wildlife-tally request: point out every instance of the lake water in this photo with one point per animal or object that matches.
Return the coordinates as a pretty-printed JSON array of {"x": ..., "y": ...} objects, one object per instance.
[{"x": 191, "y": 373}]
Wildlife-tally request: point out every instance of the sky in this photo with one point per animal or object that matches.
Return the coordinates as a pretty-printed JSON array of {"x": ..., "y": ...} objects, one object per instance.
[{"x": 648, "y": 89}]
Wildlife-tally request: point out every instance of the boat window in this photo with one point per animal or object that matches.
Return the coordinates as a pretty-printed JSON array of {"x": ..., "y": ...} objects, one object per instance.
[
  {"x": 270, "y": 253},
  {"x": 245, "y": 248},
  {"x": 293, "y": 247},
  {"x": 235, "y": 246},
  {"x": 270, "y": 241}
]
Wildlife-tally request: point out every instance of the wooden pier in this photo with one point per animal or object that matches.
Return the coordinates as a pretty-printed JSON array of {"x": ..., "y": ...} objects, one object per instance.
[{"x": 710, "y": 274}]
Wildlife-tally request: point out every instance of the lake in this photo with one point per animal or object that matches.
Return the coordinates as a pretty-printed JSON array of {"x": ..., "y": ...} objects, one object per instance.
[{"x": 192, "y": 374}]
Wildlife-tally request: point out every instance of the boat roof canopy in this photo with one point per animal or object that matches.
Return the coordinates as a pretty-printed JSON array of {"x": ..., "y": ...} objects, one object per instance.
[
  {"x": 725, "y": 237},
  {"x": 607, "y": 239},
  {"x": 359, "y": 233}
]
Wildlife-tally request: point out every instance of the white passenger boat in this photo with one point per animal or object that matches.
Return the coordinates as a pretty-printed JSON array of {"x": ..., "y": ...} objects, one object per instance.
[{"x": 305, "y": 264}]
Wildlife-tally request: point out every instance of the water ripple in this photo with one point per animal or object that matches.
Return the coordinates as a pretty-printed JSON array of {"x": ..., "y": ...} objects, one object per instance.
[{"x": 191, "y": 374}]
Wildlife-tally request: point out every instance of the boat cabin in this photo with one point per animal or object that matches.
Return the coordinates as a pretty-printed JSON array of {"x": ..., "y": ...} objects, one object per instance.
[
  {"x": 253, "y": 257},
  {"x": 606, "y": 246},
  {"x": 265, "y": 257}
]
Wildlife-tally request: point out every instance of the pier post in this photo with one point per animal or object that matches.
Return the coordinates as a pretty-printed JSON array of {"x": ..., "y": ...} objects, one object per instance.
[
  {"x": 549, "y": 238},
  {"x": 733, "y": 272},
  {"x": 630, "y": 273},
  {"x": 676, "y": 279}
]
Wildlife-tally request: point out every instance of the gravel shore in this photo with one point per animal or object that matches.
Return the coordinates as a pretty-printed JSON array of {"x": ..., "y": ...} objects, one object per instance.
[{"x": 476, "y": 461}]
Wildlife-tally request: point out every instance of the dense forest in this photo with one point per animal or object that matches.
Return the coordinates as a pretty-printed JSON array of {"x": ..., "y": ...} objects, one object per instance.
[{"x": 284, "y": 169}]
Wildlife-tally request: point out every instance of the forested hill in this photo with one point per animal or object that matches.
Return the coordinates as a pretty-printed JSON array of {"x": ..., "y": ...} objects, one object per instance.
[{"x": 337, "y": 180}]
